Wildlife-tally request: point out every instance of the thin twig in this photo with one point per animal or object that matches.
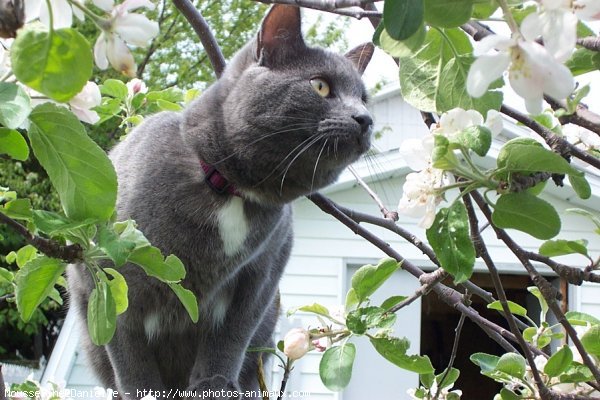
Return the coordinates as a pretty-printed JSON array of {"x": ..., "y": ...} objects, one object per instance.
[
  {"x": 286, "y": 376},
  {"x": 482, "y": 251},
  {"x": 72, "y": 253},
  {"x": 203, "y": 31},
  {"x": 457, "y": 331},
  {"x": 387, "y": 214},
  {"x": 347, "y": 8},
  {"x": 545, "y": 287},
  {"x": 438, "y": 276}
]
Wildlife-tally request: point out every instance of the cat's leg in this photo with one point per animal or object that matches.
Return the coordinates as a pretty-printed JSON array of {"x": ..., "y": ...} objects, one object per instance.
[
  {"x": 135, "y": 365},
  {"x": 262, "y": 338},
  {"x": 222, "y": 351}
]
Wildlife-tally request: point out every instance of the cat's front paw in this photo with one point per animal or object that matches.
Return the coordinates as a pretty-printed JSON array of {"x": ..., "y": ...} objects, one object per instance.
[{"x": 216, "y": 387}]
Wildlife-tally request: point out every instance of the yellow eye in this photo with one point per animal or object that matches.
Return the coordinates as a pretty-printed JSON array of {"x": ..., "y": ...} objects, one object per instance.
[{"x": 320, "y": 86}]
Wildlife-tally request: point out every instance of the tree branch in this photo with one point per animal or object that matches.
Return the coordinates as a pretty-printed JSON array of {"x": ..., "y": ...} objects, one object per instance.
[
  {"x": 574, "y": 276},
  {"x": 71, "y": 253},
  {"x": 545, "y": 287},
  {"x": 436, "y": 277},
  {"x": 453, "y": 354},
  {"x": 203, "y": 31},
  {"x": 555, "y": 142},
  {"x": 347, "y": 8},
  {"x": 590, "y": 43},
  {"x": 448, "y": 295}
]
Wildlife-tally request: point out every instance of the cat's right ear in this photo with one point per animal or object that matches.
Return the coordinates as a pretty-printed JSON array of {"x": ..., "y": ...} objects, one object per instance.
[{"x": 280, "y": 33}]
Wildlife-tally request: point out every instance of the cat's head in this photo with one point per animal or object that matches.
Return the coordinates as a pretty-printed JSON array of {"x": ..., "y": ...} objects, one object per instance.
[{"x": 292, "y": 117}]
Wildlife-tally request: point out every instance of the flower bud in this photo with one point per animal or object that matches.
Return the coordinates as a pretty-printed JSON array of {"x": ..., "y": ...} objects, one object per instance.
[
  {"x": 296, "y": 343},
  {"x": 136, "y": 86}
]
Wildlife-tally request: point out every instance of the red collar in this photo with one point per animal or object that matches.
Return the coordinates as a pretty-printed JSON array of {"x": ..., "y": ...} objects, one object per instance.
[{"x": 216, "y": 181}]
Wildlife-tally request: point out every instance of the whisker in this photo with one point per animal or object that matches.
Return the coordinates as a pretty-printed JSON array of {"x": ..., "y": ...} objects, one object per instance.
[
  {"x": 312, "y": 181},
  {"x": 315, "y": 140}
]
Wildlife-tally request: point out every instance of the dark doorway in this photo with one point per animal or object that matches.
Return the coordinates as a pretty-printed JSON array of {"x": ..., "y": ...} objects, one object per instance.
[{"x": 438, "y": 324}]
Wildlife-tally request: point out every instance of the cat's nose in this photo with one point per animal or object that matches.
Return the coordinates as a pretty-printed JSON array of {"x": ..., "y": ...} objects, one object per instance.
[{"x": 364, "y": 120}]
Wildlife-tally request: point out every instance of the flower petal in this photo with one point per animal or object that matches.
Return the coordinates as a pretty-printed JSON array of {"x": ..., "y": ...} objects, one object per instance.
[
  {"x": 414, "y": 154},
  {"x": 61, "y": 13},
  {"x": 532, "y": 26},
  {"x": 494, "y": 122},
  {"x": 100, "y": 52},
  {"x": 485, "y": 70},
  {"x": 136, "y": 29},
  {"x": 490, "y": 42},
  {"x": 129, "y": 5},
  {"x": 119, "y": 56},
  {"x": 560, "y": 34},
  {"x": 105, "y": 5}
]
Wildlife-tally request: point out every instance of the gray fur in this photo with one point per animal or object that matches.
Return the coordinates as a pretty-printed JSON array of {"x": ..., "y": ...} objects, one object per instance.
[{"x": 267, "y": 131}]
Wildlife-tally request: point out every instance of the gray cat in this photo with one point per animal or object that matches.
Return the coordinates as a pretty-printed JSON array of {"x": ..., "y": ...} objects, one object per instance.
[{"x": 213, "y": 186}]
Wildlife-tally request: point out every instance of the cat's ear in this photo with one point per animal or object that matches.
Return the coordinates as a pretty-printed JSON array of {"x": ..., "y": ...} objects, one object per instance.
[
  {"x": 361, "y": 56},
  {"x": 281, "y": 31}
]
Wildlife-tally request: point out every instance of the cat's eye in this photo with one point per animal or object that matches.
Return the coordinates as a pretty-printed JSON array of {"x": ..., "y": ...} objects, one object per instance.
[{"x": 320, "y": 86}]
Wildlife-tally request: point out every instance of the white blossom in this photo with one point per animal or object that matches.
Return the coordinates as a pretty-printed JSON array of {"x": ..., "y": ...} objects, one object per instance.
[
  {"x": 420, "y": 197},
  {"x": 532, "y": 71},
  {"x": 582, "y": 138},
  {"x": 125, "y": 28},
  {"x": 136, "y": 86},
  {"x": 555, "y": 22},
  {"x": 457, "y": 120},
  {"x": 62, "y": 12},
  {"x": 84, "y": 101},
  {"x": 296, "y": 343}
]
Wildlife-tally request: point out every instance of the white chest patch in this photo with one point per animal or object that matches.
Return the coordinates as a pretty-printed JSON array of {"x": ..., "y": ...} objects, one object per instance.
[
  {"x": 233, "y": 225},
  {"x": 152, "y": 326}
]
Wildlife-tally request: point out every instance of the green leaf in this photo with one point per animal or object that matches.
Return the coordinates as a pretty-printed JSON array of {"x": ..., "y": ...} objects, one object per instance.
[
  {"x": 392, "y": 301},
  {"x": 394, "y": 350},
  {"x": 55, "y": 295},
  {"x": 512, "y": 364},
  {"x": 164, "y": 105},
  {"x": 13, "y": 144},
  {"x": 34, "y": 282},
  {"x": 351, "y": 299},
  {"x": 593, "y": 217},
  {"x": 434, "y": 78},
  {"x": 448, "y": 13},
  {"x": 449, "y": 379},
  {"x": 486, "y": 362},
  {"x": 559, "y": 362},
  {"x": 362, "y": 319},
  {"x": 543, "y": 304},
  {"x": 54, "y": 224},
  {"x": 6, "y": 275},
  {"x": 101, "y": 314},
  {"x": 583, "y": 61},
  {"x": 506, "y": 394},
  {"x": 561, "y": 247},
  {"x": 114, "y": 88},
  {"x": 369, "y": 278},
  {"x": 152, "y": 262},
  {"x": 519, "y": 155},
  {"x": 512, "y": 306},
  {"x": 484, "y": 9},
  {"x": 450, "y": 239},
  {"x": 118, "y": 289},
  {"x": 57, "y": 63},
  {"x": 402, "y": 48},
  {"x": 18, "y": 209},
  {"x": 188, "y": 299},
  {"x": 427, "y": 380},
  {"x": 127, "y": 231},
  {"x": 314, "y": 308},
  {"x": 581, "y": 186},
  {"x": 528, "y": 214},
  {"x": 25, "y": 254},
  {"x": 576, "y": 373},
  {"x": 117, "y": 249},
  {"x": 402, "y": 18},
  {"x": 591, "y": 340},
  {"x": 172, "y": 95},
  {"x": 335, "y": 367},
  {"x": 16, "y": 105},
  {"x": 78, "y": 168},
  {"x": 581, "y": 318},
  {"x": 477, "y": 138}
]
